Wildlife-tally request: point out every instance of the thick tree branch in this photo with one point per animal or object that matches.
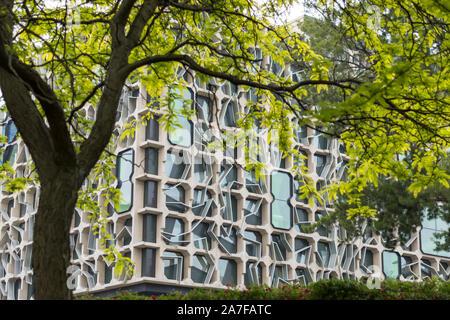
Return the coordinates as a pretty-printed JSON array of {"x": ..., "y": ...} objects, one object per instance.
[
  {"x": 27, "y": 119},
  {"x": 191, "y": 63}
]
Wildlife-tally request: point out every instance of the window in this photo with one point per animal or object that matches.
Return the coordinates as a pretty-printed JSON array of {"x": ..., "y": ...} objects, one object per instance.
[
  {"x": 302, "y": 219},
  {"x": 173, "y": 265},
  {"x": 228, "y": 272},
  {"x": 253, "y": 243},
  {"x": 173, "y": 232},
  {"x": 202, "y": 171},
  {"x": 253, "y": 212},
  {"x": 9, "y": 155},
  {"x": 279, "y": 272},
  {"x": 322, "y": 230},
  {"x": 302, "y": 134},
  {"x": 320, "y": 140},
  {"x": 302, "y": 161},
  {"x": 280, "y": 246},
  {"x": 324, "y": 251},
  {"x": 125, "y": 169},
  {"x": 127, "y": 235},
  {"x": 10, "y": 208},
  {"x": 19, "y": 233},
  {"x": 320, "y": 162},
  {"x": 253, "y": 273},
  {"x": 391, "y": 264},
  {"x": 203, "y": 108},
  {"x": 426, "y": 269},
  {"x": 200, "y": 269},
  {"x": 200, "y": 202},
  {"x": 228, "y": 176},
  {"x": 252, "y": 184},
  {"x": 229, "y": 149},
  {"x": 367, "y": 262},
  {"x": 175, "y": 165},
  {"x": 281, "y": 186},
  {"x": 298, "y": 194},
  {"x": 431, "y": 227},
  {"x": 152, "y": 129},
  {"x": 91, "y": 271},
  {"x": 229, "y": 88},
  {"x": 229, "y": 211},
  {"x": 201, "y": 238},
  {"x": 406, "y": 266},
  {"x": 182, "y": 134},
  {"x": 108, "y": 273},
  {"x": 110, "y": 230},
  {"x": 149, "y": 228},
  {"x": 296, "y": 73},
  {"x": 175, "y": 196},
  {"x": 11, "y": 131},
  {"x": 229, "y": 119},
  {"x": 17, "y": 284},
  {"x": 301, "y": 253},
  {"x": 22, "y": 209},
  {"x": 302, "y": 276},
  {"x": 150, "y": 193},
  {"x": 228, "y": 239},
  {"x": 151, "y": 161},
  {"x": 148, "y": 262}
]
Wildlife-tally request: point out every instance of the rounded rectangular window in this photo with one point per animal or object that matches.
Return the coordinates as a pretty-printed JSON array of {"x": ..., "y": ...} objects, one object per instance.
[
  {"x": 125, "y": 169},
  {"x": 150, "y": 193},
  {"x": 152, "y": 129},
  {"x": 148, "y": 262},
  {"x": 428, "y": 239},
  {"x": 181, "y": 133},
  {"x": 151, "y": 161},
  {"x": 149, "y": 228},
  {"x": 281, "y": 210},
  {"x": 391, "y": 264}
]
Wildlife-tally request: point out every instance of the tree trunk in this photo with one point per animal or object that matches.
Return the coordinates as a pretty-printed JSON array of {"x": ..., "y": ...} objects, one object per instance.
[{"x": 51, "y": 247}]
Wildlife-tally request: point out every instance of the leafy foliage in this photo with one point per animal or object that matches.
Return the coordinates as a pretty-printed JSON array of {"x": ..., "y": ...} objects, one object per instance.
[
  {"x": 330, "y": 289},
  {"x": 390, "y": 93}
]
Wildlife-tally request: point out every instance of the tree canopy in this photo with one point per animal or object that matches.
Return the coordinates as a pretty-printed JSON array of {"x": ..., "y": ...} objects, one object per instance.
[{"x": 57, "y": 57}]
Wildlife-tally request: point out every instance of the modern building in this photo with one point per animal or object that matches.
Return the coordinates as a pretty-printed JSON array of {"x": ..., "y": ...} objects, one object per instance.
[{"x": 194, "y": 217}]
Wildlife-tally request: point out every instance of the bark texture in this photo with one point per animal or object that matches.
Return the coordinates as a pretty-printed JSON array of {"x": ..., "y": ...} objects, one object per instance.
[{"x": 51, "y": 248}]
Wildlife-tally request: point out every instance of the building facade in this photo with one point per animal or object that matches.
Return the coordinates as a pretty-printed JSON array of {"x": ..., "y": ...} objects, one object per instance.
[{"x": 194, "y": 217}]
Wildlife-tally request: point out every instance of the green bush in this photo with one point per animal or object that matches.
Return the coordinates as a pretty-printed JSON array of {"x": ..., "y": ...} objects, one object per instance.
[{"x": 327, "y": 289}]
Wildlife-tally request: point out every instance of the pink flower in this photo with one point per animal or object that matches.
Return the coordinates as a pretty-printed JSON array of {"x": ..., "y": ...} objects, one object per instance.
[{"x": 153, "y": 297}]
